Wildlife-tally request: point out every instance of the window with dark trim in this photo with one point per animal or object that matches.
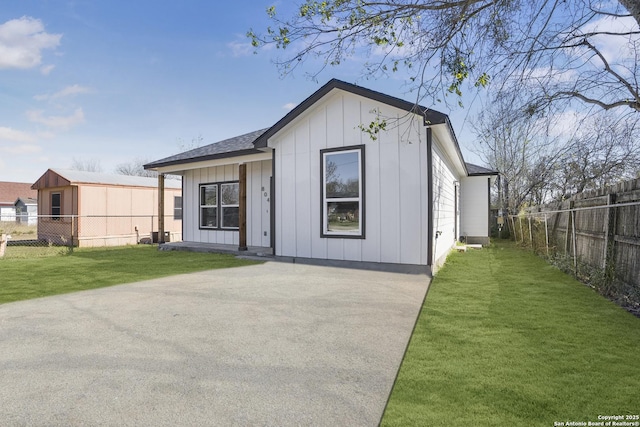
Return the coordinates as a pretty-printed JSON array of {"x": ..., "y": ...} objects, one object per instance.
[
  {"x": 177, "y": 207},
  {"x": 229, "y": 205},
  {"x": 56, "y": 206},
  {"x": 342, "y": 192},
  {"x": 219, "y": 205}
]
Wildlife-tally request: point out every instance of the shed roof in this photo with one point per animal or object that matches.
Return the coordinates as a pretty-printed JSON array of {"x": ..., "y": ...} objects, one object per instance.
[
  {"x": 65, "y": 177},
  {"x": 10, "y": 191}
]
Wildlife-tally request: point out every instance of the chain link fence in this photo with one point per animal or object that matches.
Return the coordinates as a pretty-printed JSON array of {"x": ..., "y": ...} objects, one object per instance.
[{"x": 48, "y": 235}]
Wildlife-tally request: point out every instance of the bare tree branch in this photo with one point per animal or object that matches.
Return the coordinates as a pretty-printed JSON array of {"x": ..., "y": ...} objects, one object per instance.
[{"x": 448, "y": 47}]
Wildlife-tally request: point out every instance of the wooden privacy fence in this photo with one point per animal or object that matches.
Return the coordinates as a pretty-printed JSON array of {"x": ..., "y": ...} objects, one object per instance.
[{"x": 596, "y": 234}]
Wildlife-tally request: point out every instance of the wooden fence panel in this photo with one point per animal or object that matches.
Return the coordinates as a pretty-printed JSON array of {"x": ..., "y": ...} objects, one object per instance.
[{"x": 599, "y": 230}]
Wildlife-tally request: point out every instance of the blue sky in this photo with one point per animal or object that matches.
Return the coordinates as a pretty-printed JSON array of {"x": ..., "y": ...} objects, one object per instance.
[{"x": 117, "y": 80}]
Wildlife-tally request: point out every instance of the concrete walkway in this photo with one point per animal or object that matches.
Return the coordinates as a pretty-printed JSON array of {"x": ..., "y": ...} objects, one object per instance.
[{"x": 271, "y": 345}]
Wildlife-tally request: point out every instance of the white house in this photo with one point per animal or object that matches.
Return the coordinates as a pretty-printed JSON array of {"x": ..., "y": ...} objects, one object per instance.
[
  {"x": 10, "y": 193},
  {"x": 26, "y": 210},
  {"x": 316, "y": 187}
]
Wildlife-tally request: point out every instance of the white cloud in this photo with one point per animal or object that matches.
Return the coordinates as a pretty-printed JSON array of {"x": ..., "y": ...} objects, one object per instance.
[
  {"x": 565, "y": 124},
  {"x": 21, "y": 149},
  {"x": 22, "y": 41},
  {"x": 46, "y": 70},
  {"x": 46, "y": 135},
  {"x": 614, "y": 48},
  {"x": 551, "y": 75},
  {"x": 67, "y": 91},
  {"x": 9, "y": 134},
  {"x": 289, "y": 105},
  {"x": 239, "y": 48},
  {"x": 57, "y": 122},
  {"x": 545, "y": 77}
]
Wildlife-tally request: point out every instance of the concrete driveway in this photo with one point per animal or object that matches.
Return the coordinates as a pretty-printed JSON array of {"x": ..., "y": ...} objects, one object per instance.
[{"x": 270, "y": 345}]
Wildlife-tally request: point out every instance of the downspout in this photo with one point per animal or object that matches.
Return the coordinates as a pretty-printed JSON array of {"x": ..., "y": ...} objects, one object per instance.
[{"x": 430, "y": 241}]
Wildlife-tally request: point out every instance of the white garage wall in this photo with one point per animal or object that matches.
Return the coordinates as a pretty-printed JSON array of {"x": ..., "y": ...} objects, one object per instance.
[
  {"x": 395, "y": 180},
  {"x": 258, "y": 196}
]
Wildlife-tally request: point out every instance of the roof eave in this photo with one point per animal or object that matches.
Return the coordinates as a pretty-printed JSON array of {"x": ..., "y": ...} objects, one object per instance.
[
  {"x": 238, "y": 153},
  {"x": 493, "y": 173},
  {"x": 457, "y": 145}
]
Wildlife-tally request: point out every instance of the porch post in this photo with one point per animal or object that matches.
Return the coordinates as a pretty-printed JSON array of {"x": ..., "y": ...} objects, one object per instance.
[
  {"x": 160, "y": 208},
  {"x": 242, "y": 208}
]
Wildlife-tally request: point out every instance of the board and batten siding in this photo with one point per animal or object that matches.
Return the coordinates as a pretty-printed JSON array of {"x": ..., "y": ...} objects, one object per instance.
[
  {"x": 395, "y": 168},
  {"x": 475, "y": 207},
  {"x": 258, "y": 196},
  {"x": 444, "y": 205}
]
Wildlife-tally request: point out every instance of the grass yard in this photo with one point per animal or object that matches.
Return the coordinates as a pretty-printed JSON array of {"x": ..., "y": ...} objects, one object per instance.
[
  {"x": 505, "y": 339},
  {"x": 25, "y": 278}
]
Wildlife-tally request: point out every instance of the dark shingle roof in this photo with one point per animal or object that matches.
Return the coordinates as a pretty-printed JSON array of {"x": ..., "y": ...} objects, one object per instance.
[
  {"x": 236, "y": 146},
  {"x": 479, "y": 170}
]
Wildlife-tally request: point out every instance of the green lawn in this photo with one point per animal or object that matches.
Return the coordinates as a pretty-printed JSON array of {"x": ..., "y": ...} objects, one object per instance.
[
  {"x": 24, "y": 278},
  {"x": 505, "y": 339}
]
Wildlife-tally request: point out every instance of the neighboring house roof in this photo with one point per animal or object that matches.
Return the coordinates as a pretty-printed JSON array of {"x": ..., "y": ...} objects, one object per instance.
[
  {"x": 65, "y": 177},
  {"x": 475, "y": 170},
  {"x": 10, "y": 191},
  {"x": 27, "y": 201},
  {"x": 236, "y": 146}
]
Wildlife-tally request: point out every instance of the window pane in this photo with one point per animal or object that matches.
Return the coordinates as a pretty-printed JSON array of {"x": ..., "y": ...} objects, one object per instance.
[
  {"x": 230, "y": 194},
  {"x": 209, "y": 195},
  {"x": 343, "y": 217},
  {"x": 208, "y": 217},
  {"x": 342, "y": 175},
  {"x": 230, "y": 217},
  {"x": 177, "y": 207},
  {"x": 55, "y": 206}
]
